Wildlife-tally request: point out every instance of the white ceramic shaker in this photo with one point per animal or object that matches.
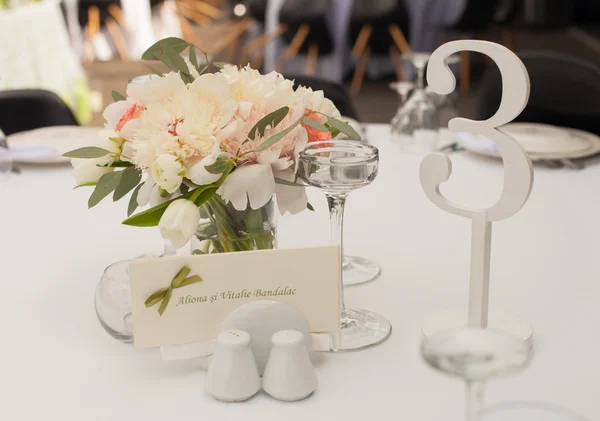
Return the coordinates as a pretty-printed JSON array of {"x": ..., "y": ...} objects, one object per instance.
[{"x": 233, "y": 375}]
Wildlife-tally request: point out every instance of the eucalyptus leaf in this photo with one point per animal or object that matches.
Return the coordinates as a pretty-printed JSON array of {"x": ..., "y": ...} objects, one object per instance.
[
  {"x": 310, "y": 207},
  {"x": 133, "y": 203},
  {"x": 254, "y": 220},
  {"x": 171, "y": 43},
  {"x": 192, "y": 55},
  {"x": 220, "y": 64},
  {"x": 84, "y": 185},
  {"x": 89, "y": 152},
  {"x": 106, "y": 185},
  {"x": 190, "y": 281},
  {"x": 288, "y": 183},
  {"x": 156, "y": 297},
  {"x": 334, "y": 132},
  {"x": 165, "y": 301},
  {"x": 217, "y": 168},
  {"x": 117, "y": 96},
  {"x": 271, "y": 119},
  {"x": 187, "y": 78},
  {"x": 344, "y": 128},
  {"x": 277, "y": 137},
  {"x": 181, "y": 275},
  {"x": 130, "y": 178},
  {"x": 315, "y": 124},
  {"x": 156, "y": 72},
  {"x": 197, "y": 252}
]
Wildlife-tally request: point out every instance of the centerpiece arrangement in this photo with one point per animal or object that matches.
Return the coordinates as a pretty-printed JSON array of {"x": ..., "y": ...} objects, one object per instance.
[{"x": 213, "y": 154}]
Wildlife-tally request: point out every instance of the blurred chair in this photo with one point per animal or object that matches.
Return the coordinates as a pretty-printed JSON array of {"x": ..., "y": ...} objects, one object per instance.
[
  {"x": 378, "y": 27},
  {"x": 504, "y": 18},
  {"x": 334, "y": 91},
  {"x": 478, "y": 16},
  {"x": 29, "y": 109},
  {"x": 96, "y": 14},
  {"x": 565, "y": 91},
  {"x": 306, "y": 33},
  {"x": 253, "y": 51}
]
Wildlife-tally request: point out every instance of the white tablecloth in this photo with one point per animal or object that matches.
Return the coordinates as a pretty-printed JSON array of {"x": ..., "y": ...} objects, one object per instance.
[{"x": 58, "y": 363}]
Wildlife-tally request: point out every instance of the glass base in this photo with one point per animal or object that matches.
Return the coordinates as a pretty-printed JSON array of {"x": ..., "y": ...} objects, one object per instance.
[
  {"x": 119, "y": 336},
  {"x": 358, "y": 270},
  {"x": 360, "y": 329}
]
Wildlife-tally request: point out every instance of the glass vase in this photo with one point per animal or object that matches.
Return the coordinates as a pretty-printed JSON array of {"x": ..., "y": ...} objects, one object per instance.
[{"x": 224, "y": 229}]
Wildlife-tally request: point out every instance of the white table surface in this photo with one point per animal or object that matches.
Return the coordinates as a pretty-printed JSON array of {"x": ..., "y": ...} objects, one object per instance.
[{"x": 58, "y": 363}]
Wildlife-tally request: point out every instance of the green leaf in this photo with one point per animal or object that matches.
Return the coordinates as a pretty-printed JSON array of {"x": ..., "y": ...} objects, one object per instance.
[
  {"x": 310, "y": 207},
  {"x": 205, "y": 195},
  {"x": 130, "y": 178},
  {"x": 165, "y": 301},
  {"x": 156, "y": 297},
  {"x": 254, "y": 220},
  {"x": 344, "y": 128},
  {"x": 315, "y": 124},
  {"x": 88, "y": 152},
  {"x": 192, "y": 55},
  {"x": 84, "y": 185},
  {"x": 187, "y": 79},
  {"x": 271, "y": 119},
  {"x": 181, "y": 275},
  {"x": 191, "y": 280},
  {"x": 217, "y": 168},
  {"x": 118, "y": 164},
  {"x": 288, "y": 183},
  {"x": 230, "y": 166},
  {"x": 106, "y": 185},
  {"x": 151, "y": 217},
  {"x": 334, "y": 132},
  {"x": 133, "y": 204},
  {"x": 277, "y": 137},
  {"x": 197, "y": 252},
  {"x": 117, "y": 96},
  {"x": 156, "y": 72},
  {"x": 172, "y": 43},
  {"x": 220, "y": 64}
]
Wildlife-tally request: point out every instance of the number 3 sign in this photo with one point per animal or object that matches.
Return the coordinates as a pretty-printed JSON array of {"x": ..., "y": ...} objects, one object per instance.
[{"x": 518, "y": 171}]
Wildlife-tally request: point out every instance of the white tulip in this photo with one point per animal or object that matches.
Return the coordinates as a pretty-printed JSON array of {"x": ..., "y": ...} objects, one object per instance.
[
  {"x": 168, "y": 171},
  {"x": 88, "y": 170},
  {"x": 179, "y": 222}
]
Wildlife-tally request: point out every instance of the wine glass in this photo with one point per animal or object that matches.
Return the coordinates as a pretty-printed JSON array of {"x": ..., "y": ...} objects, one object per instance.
[
  {"x": 528, "y": 411},
  {"x": 416, "y": 123},
  {"x": 337, "y": 167},
  {"x": 476, "y": 355}
]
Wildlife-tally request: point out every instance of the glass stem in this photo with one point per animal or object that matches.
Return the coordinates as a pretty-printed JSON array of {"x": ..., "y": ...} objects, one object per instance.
[
  {"x": 421, "y": 77},
  {"x": 336, "y": 205},
  {"x": 473, "y": 400}
]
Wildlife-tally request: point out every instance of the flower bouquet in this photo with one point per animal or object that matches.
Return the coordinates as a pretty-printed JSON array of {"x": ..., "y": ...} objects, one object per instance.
[{"x": 213, "y": 154}]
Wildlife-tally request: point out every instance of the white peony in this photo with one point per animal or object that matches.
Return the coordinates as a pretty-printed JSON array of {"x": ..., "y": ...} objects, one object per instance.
[
  {"x": 179, "y": 222},
  {"x": 168, "y": 171}
]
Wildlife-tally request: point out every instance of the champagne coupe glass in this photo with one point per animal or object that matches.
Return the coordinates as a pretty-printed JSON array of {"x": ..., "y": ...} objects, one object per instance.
[
  {"x": 476, "y": 355},
  {"x": 337, "y": 167},
  {"x": 528, "y": 411}
]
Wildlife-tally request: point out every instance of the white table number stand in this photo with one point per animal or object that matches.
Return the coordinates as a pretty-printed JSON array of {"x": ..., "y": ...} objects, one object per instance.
[{"x": 518, "y": 178}]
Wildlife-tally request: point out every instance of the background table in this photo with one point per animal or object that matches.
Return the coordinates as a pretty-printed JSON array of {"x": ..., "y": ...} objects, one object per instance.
[{"x": 57, "y": 362}]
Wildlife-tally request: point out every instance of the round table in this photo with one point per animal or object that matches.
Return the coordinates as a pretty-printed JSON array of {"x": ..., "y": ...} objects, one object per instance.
[{"x": 58, "y": 362}]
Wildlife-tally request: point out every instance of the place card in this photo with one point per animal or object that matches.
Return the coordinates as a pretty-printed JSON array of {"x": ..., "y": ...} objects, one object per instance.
[{"x": 183, "y": 300}]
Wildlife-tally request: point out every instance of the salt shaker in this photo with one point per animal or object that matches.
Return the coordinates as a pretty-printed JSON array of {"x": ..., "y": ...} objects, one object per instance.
[
  {"x": 289, "y": 375},
  {"x": 233, "y": 375}
]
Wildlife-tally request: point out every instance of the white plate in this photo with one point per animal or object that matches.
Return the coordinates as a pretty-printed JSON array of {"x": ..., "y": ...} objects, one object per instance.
[
  {"x": 47, "y": 144},
  {"x": 572, "y": 144}
]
